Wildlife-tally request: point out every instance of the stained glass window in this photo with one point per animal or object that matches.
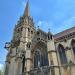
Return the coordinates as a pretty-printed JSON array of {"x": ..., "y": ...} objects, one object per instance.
[{"x": 62, "y": 54}]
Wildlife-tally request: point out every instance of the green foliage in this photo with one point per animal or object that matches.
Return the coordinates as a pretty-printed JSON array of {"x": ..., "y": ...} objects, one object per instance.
[{"x": 1, "y": 72}]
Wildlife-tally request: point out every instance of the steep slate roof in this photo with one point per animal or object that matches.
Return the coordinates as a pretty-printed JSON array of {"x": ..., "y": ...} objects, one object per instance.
[{"x": 65, "y": 32}]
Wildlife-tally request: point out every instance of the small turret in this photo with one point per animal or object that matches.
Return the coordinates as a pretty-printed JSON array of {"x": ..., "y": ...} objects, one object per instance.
[{"x": 50, "y": 36}]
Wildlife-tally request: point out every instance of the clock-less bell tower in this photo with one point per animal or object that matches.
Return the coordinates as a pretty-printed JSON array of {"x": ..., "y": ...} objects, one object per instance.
[{"x": 18, "y": 57}]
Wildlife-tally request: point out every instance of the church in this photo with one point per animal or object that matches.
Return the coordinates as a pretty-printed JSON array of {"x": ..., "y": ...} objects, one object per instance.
[{"x": 35, "y": 52}]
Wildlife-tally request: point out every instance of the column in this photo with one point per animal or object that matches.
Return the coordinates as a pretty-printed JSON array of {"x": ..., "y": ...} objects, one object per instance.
[
  {"x": 52, "y": 56},
  {"x": 69, "y": 51},
  {"x": 69, "y": 54},
  {"x": 28, "y": 61},
  {"x": 18, "y": 66}
]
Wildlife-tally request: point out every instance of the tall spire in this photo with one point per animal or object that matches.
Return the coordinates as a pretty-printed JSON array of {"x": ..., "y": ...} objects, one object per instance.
[{"x": 26, "y": 12}]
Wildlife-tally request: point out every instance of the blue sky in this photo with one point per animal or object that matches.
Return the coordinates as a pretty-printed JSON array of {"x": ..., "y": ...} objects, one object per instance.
[{"x": 57, "y": 15}]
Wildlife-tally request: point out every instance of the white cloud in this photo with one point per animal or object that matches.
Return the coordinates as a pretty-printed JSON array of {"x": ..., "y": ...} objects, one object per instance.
[
  {"x": 39, "y": 23},
  {"x": 67, "y": 24},
  {"x": 45, "y": 25},
  {"x": 70, "y": 22}
]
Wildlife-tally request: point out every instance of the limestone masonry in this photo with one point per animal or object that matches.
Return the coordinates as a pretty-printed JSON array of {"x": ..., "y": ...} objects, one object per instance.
[{"x": 35, "y": 52}]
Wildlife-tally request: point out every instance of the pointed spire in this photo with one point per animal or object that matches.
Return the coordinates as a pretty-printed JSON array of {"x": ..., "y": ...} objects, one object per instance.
[{"x": 26, "y": 12}]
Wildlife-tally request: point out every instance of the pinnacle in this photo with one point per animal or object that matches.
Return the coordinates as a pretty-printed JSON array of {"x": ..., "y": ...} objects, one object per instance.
[{"x": 26, "y": 12}]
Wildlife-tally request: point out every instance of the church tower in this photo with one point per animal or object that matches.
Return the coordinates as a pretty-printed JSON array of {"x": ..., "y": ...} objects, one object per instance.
[{"x": 18, "y": 57}]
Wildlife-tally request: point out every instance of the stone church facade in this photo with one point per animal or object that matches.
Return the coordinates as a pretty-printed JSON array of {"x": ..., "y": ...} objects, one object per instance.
[{"x": 35, "y": 52}]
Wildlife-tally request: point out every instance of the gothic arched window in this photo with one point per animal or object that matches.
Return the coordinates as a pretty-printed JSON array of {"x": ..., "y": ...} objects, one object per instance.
[
  {"x": 37, "y": 59},
  {"x": 45, "y": 59},
  {"x": 73, "y": 46},
  {"x": 40, "y": 55},
  {"x": 62, "y": 54},
  {"x": 40, "y": 59}
]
